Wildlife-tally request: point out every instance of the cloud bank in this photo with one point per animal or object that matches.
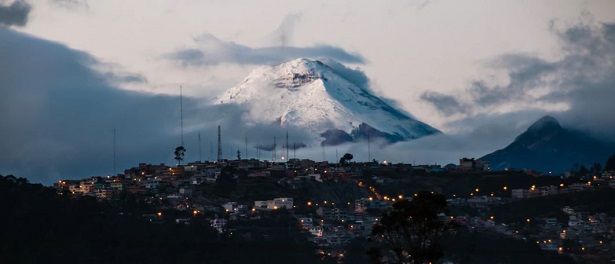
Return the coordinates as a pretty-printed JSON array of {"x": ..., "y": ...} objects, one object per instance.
[
  {"x": 15, "y": 14},
  {"x": 577, "y": 88},
  {"x": 59, "y": 115},
  {"x": 211, "y": 51}
]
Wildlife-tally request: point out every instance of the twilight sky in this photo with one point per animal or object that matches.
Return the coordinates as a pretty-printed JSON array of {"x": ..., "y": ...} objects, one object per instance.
[{"x": 480, "y": 71}]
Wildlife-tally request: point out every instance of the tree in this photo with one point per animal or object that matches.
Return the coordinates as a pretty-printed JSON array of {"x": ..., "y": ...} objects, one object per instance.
[
  {"x": 346, "y": 158},
  {"x": 413, "y": 232},
  {"x": 610, "y": 164},
  {"x": 226, "y": 183},
  {"x": 179, "y": 154}
]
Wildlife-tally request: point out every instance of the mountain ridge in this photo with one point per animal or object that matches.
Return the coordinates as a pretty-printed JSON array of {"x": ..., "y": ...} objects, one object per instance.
[{"x": 546, "y": 146}]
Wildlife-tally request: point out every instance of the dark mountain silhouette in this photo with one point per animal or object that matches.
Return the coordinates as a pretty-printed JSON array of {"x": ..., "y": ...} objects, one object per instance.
[{"x": 548, "y": 147}]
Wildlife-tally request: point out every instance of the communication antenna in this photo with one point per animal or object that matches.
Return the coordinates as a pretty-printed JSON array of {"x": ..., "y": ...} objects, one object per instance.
[
  {"x": 286, "y": 144},
  {"x": 114, "y": 155},
  {"x": 200, "y": 157},
  {"x": 181, "y": 113},
  {"x": 323, "y": 152},
  {"x": 369, "y": 152},
  {"x": 273, "y": 156},
  {"x": 219, "y": 146},
  {"x": 336, "y": 156}
]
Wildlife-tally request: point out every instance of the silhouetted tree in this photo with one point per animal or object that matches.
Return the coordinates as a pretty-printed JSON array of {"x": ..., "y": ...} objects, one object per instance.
[
  {"x": 582, "y": 171},
  {"x": 179, "y": 154},
  {"x": 610, "y": 164},
  {"x": 346, "y": 158},
  {"x": 597, "y": 167},
  {"x": 226, "y": 183},
  {"x": 413, "y": 232}
]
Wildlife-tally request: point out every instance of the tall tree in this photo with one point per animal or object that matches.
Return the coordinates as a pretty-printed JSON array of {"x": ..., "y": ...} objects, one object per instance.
[
  {"x": 610, "y": 164},
  {"x": 179, "y": 154},
  {"x": 346, "y": 158},
  {"x": 413, "y": 232}
]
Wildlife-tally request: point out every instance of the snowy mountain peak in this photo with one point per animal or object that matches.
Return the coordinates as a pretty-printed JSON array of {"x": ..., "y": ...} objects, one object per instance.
[{"x": 324, "y": 100}]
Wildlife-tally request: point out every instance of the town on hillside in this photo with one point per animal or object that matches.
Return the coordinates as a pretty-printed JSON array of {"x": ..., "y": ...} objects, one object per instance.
[{"x": 336, "y": 203}]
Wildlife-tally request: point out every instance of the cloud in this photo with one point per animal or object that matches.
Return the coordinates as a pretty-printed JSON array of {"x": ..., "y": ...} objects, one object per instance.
[
  {"x": 71, "y": 4},
  {"x": 446, "y": 104},
  {"x": 284, "y": 33},
  {"x": 59, "y": 110},
  {"x": 15, "y": 14},
  {"x": 579, "y": 86},
  {"x": 210, "y": 51}
]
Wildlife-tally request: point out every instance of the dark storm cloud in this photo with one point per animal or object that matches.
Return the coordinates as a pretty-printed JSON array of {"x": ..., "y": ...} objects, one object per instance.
[
  {"x": 583, "y": 79},
  {"x": 213, "y": 51},
  {"x": 15, "y": 14},
  {"x": 58, "y": 116}
]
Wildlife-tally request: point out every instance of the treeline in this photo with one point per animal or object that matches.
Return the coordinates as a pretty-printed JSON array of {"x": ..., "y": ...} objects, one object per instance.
[{"x": 37, "y": 225}]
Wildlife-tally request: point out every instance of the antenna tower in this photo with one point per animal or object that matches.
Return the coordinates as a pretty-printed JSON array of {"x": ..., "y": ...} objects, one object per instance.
[
  {"x": 323, "y": 152},
  {"x": 181, "y": 114},
  {"x": 114, "y": 156},
  {"x": 369, "y": 153},
  {"x": 287, "y": 145},
  {"x": 219, "y": 146},
  {"x": 200, "y": 157},
  {"x": 273, "y": 151}
]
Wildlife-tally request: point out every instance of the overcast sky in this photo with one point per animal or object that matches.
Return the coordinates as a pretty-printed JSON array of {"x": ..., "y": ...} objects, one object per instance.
[{"x": 480, "y": 71}]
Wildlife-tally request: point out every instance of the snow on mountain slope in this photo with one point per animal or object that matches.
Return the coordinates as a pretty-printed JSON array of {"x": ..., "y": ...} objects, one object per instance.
[{"x": 313, "y": 96}]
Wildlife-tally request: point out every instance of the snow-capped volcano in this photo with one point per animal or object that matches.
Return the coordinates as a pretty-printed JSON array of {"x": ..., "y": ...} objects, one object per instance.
[{"x": 325, "y": 100}]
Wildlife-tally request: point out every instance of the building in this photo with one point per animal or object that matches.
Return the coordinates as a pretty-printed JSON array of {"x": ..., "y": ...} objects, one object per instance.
[
  {"x": 218, "y": 224},
  {"x": 276, "y": 203},
  {"x": 472, "y": 164}
]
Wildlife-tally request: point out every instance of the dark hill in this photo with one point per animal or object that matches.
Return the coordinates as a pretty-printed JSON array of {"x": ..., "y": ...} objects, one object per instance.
[{"x": 548, "y": 147}]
